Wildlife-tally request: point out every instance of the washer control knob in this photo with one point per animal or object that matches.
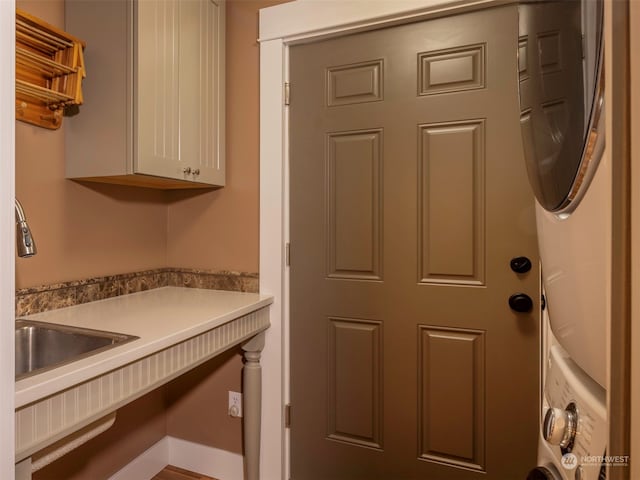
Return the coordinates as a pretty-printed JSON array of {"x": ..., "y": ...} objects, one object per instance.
[{"x": 559, "y": 427}]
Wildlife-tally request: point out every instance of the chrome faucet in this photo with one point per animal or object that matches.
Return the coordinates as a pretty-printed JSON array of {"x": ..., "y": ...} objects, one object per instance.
[{"x": 24, "y": 240}]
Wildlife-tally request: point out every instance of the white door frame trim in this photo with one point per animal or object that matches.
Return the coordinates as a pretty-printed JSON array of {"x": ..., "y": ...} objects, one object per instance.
[
  {"x": 7, "y": 235},
  {"x": 280, "y": 26}
]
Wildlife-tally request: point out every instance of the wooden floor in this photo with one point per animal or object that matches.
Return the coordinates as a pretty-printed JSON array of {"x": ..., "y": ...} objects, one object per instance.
[{"x": 174, "y": 473}]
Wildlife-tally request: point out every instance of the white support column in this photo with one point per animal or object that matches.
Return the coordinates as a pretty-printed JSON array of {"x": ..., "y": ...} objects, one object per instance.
[
  {"x": 252, "y": 408},
  {"x": 272, "y": 240}
]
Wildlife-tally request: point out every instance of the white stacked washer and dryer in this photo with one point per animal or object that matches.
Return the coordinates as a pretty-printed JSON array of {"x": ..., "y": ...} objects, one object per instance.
[
  {"x": 562, "y": 120},
  {"x": 575, "y": 257}
]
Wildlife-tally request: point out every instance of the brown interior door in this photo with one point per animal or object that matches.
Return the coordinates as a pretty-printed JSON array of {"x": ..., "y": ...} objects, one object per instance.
[{"x": 409, "y": 198}]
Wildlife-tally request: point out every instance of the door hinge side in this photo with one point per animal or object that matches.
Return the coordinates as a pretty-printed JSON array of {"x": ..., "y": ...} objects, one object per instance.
[
  {"x": 287, "y": 415},
  {"x": 287, "y": 93},
  {"x": 287, "y": 254}
]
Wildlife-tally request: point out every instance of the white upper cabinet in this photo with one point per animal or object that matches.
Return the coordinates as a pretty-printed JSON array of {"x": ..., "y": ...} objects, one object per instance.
[{"x": 154, "y": 104}]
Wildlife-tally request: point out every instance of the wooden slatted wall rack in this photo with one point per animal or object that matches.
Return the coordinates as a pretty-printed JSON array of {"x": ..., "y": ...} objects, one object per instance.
[{"x": 49, "y": 71}]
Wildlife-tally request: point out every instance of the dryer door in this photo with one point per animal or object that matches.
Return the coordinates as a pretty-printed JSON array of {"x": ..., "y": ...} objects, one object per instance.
[{"x": 559, "y": 63}]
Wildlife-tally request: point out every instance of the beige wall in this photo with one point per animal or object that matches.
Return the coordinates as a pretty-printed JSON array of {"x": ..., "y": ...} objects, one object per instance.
[
  {"x": 138, "y": 426},
  {"x": 219, "y": 230},
  {"x": 205, "y": 391},
  {"x": 85, "y": 230},
  {"x": 93, "y": 230},
  {"x": 81, "y": 231}
]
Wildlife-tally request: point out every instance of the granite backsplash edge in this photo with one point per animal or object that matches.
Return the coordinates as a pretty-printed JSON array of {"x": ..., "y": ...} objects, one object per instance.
[{"x": 50, "y": 297}]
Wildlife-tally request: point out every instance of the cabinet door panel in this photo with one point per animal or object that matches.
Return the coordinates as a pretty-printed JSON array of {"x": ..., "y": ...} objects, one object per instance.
[
  {"x": 155, "y": 99},
  {"x": 158, "y": 109},
  {"x": 178, "y": 96},
  {"x": 199, "y": 95},
  {"x": 212, "y": 164}
]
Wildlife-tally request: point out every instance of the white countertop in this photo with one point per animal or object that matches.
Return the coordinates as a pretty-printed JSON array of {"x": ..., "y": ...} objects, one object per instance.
[{"x": 161, "y": 318}]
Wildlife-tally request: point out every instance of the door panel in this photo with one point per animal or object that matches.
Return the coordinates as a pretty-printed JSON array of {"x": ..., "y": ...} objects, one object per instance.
[
  {"x": 349, "y": 84},
  {"x": 448, "y": 406},
  {"x": 452, "y": 232},
  {"x": 354, "y": 204},
  {"x": 355, "y": 388},
  {"x": 452, "y": 70},
  {"x": 409, "y": 197}
]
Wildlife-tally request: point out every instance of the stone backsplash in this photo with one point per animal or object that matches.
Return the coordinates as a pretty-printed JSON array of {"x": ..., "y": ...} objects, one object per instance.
[{"x": 51, "y": 297}]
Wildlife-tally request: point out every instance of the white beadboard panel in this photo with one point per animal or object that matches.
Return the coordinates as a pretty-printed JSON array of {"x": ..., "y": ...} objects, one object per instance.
[
  {"x": 58, "y": 450},
  {"x": 180, "y": 105},
  {"x": 38, "y": 424}
]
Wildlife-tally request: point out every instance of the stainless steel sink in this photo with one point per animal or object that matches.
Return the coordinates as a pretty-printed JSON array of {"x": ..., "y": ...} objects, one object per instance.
[{"x": 41, "y": 346}]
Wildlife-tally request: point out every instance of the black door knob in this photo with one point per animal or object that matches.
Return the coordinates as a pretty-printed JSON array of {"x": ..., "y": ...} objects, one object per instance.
[
  {"x": 521, "y": 302},
  {"x": 520, "y": 264}
]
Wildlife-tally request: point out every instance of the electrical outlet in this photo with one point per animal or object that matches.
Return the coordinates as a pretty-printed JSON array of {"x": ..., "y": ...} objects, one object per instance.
[{"x": 235, "y": 404}]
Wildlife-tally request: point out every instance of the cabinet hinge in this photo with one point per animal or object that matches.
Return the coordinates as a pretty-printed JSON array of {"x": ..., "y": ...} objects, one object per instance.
[
  {"x": 287, "y": 415},
  {"x": 287, "y": 93},
  {"x": 287, "y": 254}
]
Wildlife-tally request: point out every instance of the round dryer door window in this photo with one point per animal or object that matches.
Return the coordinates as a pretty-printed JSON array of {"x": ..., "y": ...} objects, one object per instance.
[{"x": 561, "y": 95}]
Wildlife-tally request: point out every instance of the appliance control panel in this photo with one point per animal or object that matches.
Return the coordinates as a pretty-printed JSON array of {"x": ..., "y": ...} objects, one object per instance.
[{"x": 575, "y": 422}]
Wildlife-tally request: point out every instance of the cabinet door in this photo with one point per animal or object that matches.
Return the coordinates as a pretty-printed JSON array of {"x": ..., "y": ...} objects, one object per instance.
[{"x": 179, "y": 90}]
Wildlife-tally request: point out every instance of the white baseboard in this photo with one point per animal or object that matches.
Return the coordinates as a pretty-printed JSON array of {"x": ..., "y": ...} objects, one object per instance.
[
  {"x": 181, "y": 453},
  {"x": 206, "y": 460},
  {"x": 147, "y": 464}
]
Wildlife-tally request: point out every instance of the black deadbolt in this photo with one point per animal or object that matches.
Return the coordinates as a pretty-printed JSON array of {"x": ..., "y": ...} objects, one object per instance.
[
  {"x": 520, "y": 264},
  {"x": 521, "y": 302}
]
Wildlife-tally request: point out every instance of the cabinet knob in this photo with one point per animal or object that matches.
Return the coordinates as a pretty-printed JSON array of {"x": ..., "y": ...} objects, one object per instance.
[
  {"x": 186, "y": 170},
  {"x": 196, "y": 171}
]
